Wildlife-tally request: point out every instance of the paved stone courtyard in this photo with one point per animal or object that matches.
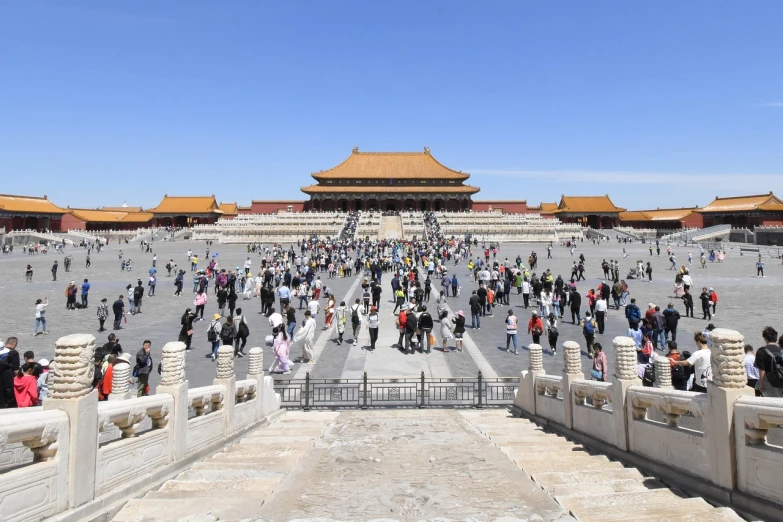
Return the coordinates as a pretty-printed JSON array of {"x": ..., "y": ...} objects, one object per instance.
[{"x": 746, "y": 304}]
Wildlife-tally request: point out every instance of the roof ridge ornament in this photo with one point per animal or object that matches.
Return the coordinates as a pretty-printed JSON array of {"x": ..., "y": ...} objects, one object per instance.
[
  {"x": 426, "y": 150},
  {"x": 355, "y": 150}
]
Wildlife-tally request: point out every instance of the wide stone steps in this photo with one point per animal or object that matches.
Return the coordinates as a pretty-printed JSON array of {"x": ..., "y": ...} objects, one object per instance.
[
  {"x": 588, "y": 486},
  {"x": 233, "y": 484}
]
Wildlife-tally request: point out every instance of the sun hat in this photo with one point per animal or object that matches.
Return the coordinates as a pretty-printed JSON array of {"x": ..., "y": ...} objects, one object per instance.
[
  {"x": 44, "y": 362},
  {"x": 216, "y": 317},
  {"x": 461, "y": 313},
  {"x": 124, "y": 357}
]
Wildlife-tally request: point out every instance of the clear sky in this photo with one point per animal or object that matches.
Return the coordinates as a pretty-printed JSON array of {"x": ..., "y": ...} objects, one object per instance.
[{"x": 663, "y": 103}]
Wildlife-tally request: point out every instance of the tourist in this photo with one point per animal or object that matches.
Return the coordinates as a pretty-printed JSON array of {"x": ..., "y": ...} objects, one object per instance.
[
  {"x": 281, "y": 348},
  {"x": 70, "y": 296},
  {"x": 243, "y": 332},
  {"x": 26, "y": 386},
  {"x": 552, "y": 333},
  {"x": 356, "y": 319},
  {"x": 769, "y": 362},
  {"x": 200, "y": 302},
  {"x": 54, "y": 271},
  {"x": 85, "y": 292},
  {"x": 213, "y": 335},
  {"x": 658, "y": 324},
  {"x": 751, "y": 372},
  {"x": 588, "y": 331},
  {"x": 600, "y": 313},
  {"x": 511, "y": 331},
  {"x": 600, "y": 363},
  {"x": 575, "y": 301},
  {"x": 329, "y": 311},
  {"x": 341, "y": 316},
  {"x": 713, "y": 300},
  {"x": 314, "y": 306},
  {"x": 143, "y": 369},
  {"x": 706, "y": 303},
  {"x": 399, "y": 296},
  {"x": 118, "y": 307},
  {"x": 222, "y": 299},
  {"x": 671, "y": 319},
  {"x": 411, "y": 326},
  {"x": 700, "y": 361},
  {"x": 459, "y": 329},
  {"x": 445, "y": 331},
  {"x": 275, "y": 318},
  {"x": 290, "y": 317},
  {"x": 306, "y": 336},
  {"x": 228, "y": 333},
  {"x": 9, "y": 366},
  {"x": 426, "y": 324},
  {"x": 535, "y": 327},
  {"x": 679, "y": 373},
  {"x": 475, "y": 310},
  {"x": 441, "y": 306},
  {"x": 633, "y": 314},
  {"x": 373, "y": 323},
  {"x": 40, "y": 315},
  {"x": 153, "y": 280},
  {"x": 186, "y": 331},
  {"x": 232, "y": 300},
  {"x": 103, "y": 314},
  {"x": 759, "y": 267},
  {"x": 28, "y": 275},
  {"x": 687, "y": 300}
]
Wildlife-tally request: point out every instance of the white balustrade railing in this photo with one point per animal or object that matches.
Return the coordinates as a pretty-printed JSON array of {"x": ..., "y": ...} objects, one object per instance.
[{"x": 759, "y": 463}]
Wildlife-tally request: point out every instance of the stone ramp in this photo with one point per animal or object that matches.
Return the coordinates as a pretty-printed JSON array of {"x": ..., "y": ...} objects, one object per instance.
[
  {"x": 233, "y": 484},
  {"x": 588, "y": 486},
  {"x": 391, "y": 227}
]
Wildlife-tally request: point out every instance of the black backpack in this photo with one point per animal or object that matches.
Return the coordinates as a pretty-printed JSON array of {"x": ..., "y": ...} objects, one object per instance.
[
  {"x": 775, "y": 375},
  {"x": 355, "y": 315},
  {"x": 649, "y": 375},
  {"x": 679, "y": 375}
]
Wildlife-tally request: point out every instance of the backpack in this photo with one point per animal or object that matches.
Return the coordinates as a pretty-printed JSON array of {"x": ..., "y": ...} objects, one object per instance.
[
  {"x": 244, "y": 331},
  {"x": 679, "y": 375},
  {"x": 211, "y": 334},
  {"x": 775, "y": 375},
  {"x": 553, "y": 331},
  {"x": 355, "y": 315},
  {"x": 589, "y": 329},
  {"x": 649, "y": 375}
]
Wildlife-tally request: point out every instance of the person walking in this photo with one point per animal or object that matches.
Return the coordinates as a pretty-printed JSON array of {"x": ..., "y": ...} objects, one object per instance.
[
  {"x": 290, "y": 318},
  {"x": 228, "y": 334},
  {"x": 118, "y": 307},
  {"x": 143, "y": 369},
  {"x": 633, "y": 313},
  {"x": 588, "y": 331},
  {"x": 600, "y": 363},
  {"x": 306, "y": 336},
  {"x": 511, "y": 331},
  {"x": 552, "y": 333},
  {"x": 687, "y": 300},
  {"x": 535, "y": 327},
  {"x": 282, "y": 349},
  {"x": 769, "y": 363},
  {"x": 179, "y": 282},
  {"x": 372, "y": 325},
  {"x": 341, "y": 317},
  {"x": 54, "y": 271},
  {"x": 153, "y": 280},
  {"x": 459, "y": 329},
  {"x": 243, "y": 332},
  {"x": 426, "y": 324},
  {"x": 713, "y": 300},
  {"x": 103, "y": 314},
  {"x": 575, "y": 301},
  {"x": 475, "y": 311},
  {"x": 356, "y": 319},
  {"x": 85, "y": 292},
  {"x": 445, "y": 331},
  {"x": 600, "y": 313},
  {"x": 40, "y": 316},
  {"x": 138, "y": 295},
  {"x": 186, "y": 331},
  {"x": 213, "y": 336}
]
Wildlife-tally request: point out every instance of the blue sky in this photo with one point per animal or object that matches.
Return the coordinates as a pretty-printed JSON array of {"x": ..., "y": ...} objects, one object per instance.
[{"x": 664, "y": 103}]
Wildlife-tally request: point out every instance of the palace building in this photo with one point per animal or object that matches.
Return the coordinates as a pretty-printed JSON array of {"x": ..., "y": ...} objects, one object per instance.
[
  {"x": 390, "y": 181},
  {"x": 29, "y": 213},
  {"x": 186, "y": 211},
  {"x": 588, "y": 211}
]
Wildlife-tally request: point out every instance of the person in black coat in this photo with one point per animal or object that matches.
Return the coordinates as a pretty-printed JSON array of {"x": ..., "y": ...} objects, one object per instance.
[
  {"x": 186, "y": 332},
  {"x": 576, "y": 303},
  {"x": 9, "y": 365}
]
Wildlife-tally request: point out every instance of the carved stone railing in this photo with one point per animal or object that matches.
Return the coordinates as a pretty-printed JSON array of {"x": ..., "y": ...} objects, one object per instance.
[
  {"x": 548, "y": 385},
  {"x": 81, "y": 455},
  {"x": 599, "y": 393},
  {"x": 759, "y": 463},
  {"x": 672, "y": 403}
]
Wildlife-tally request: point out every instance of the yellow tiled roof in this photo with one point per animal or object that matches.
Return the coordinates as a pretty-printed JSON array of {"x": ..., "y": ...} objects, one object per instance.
[
  {"x": 109, "y": 216},
  {"x": 665, "y": 214},
  {"x": 390, "y": 165},
  {"x": 741, "y": 203},
  {"x": 585, "y": 204},
  {"x": 10, "y": 203},
  {"x": 229, "y": 208},
  {"x": 123, "y": 209},
  {"x": 548, "y": 207},
  {"x": 187, "y": 205},
  {"x": 401, "y": 189}
]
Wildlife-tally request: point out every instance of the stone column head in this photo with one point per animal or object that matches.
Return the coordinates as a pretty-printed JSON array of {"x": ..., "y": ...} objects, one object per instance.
[
  {"x": 120, "y": 377},
  {"x": 663, "y": 372},
  {"x": 73, "y": 366},
  {"x": 626, "y": 367},
  {"x": 256, "y": 362},
  {"x": 536, "y": 354},
  {"x": 172, "y": 364},
  {"x": 727, "y": 358},
  {"x": 225, "y": 362},
  {"x": 572, "y": 356}
]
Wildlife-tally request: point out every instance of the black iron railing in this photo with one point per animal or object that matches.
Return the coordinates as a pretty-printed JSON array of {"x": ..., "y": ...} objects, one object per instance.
[{"x": 447, "y": 392}]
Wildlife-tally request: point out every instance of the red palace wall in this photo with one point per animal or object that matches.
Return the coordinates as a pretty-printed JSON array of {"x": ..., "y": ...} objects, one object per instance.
[
  {"x": 695, "y": 220},
  {"x": 71, "y": 222},
  {"x": 273, "y": 207},
  {"x": 508, "y": 207}
]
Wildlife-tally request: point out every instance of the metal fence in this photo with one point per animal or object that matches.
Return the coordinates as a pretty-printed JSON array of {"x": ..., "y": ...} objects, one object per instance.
[{"x": 450, "y": 392}]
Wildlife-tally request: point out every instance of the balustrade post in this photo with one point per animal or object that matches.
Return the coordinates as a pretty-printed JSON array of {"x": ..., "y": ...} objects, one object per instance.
[
  {"x": 626, "y": 374},
  {"x": 421, "y": 403},
  {"x": 120, "y": 381},
  {"x": 307, "y": 392},
  {"x": 526, "y": 393},
  {"x": 173, "y": 382},
  {"x": 364, "y": 393},
  {"x": 479, "y": 392},
  {"x": 727, "y": 386},
  {"x": 226, "y": 377},
  {"x": 71, "y": 391},
  {"x": 572, "y": 371}
]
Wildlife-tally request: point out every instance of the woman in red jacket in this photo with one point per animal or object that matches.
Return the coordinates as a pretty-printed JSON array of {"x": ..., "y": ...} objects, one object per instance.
[{"x": 26, "y": 386}]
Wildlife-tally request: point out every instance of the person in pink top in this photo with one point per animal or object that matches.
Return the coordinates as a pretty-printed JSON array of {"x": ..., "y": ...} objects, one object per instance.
[{"x": 600, "y": 363}]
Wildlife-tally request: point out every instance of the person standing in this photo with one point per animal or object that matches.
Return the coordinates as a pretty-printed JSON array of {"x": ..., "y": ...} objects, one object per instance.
[
  {"x": 213, "y": 335},
  {"x": 54, "y": 271},
  {"x": 143, "y": 368},
  {"x": 138, "y": 294},
  {"x": 40, "y": 315},
  {"x": 705, "y": 304},
  {"x": 671, "y": 318},
  {"x": 341, "y": 317},
  {"x": 85, "y": 292},
  {"x": 769, "y": 362},
  {"x": 511, "y": 331},
  {"x": 228, "y": 334},
  {"x": 70, "y": 296},
  {"x": 475, "y": 311},
  {"x": 119, "y": 311},
  {"x": 759, "y": 268},
  {"x": 290, "y": 318},
  {"x": 306, "y": 335},
  {"x": 575, "y": 301},
  {"x": 525, "y": 292},
  {"x": 552, "y": 333},
  {"x": 459, "y": 329},
  {"x": 713, "y": 300},
  {"x": 658, "y": 323},
  {"x": 600, "y": 363},
  {"x": 103, "y": 314},
  {"x": 600, "y": 313},
  {"x": 633, "y": 314},
  {"x": 588, "y": 331},
  {"x": 373, "y": 323},
  {"x": 9, "y": 365},
  {"x": 700, "y": 361},
  {"x": 751, "y": 371},
  {"x": 687, "y": 300},
  {"x": 243, "y": 332},
  {"x": 26, "y": 386},
  {"x": 151, "y": 283},
  {"x": 281, "y": 348},
  {"x": 28, "y": 275},
  {"x": 186, "y": 332},
  {"x": 356, "y": 319},
  {"x": 679, "y": 375}
]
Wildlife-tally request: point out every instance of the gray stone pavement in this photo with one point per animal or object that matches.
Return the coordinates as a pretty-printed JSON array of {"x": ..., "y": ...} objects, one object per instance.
[{"x": 746, "y": 304}]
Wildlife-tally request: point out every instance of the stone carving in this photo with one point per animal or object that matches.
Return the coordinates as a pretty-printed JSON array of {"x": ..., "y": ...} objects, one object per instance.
[
  {"x": 172, "y": 364},
  {"x": 536, "y": 357},
  {"x": 626, "y": 367},
  {"x": 663, "y": 372},
  {"x": 73, "y": 367},
  {"x": 728, "y": 352},
  {"x": 3, "y": 440},
  {"x": 161, "y": 418},
  {"x": 50, "y": 433},
  {"x": 256, "y": 362},
  {"x": 120, "y": 378},
  {"x": 225, "y": 362},
  {"x": 129, "y": 425},
  {"x": 572, "y": 358}
]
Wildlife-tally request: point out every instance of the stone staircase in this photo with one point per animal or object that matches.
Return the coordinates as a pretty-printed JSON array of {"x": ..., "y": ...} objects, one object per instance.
[
  {"x": 589, "y": 486},
  {"x": 233, "y": 484},
  {"x": 391, "y": 227}
]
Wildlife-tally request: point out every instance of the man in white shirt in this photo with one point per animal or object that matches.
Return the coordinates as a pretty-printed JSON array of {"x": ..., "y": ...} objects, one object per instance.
[
  {"x": 314, "y": 307},
  {"x": 750, "y": 367},
  {"x": 700, "y": 360},
  {"x": 600, "y": 314},
  {"x": 247, "y": 266},
  {"x": 275, "y": 318}
]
